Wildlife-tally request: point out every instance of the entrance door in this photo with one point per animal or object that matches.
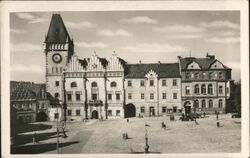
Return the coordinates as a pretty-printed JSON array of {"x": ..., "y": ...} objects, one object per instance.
[
  {"x": 129, "y": 111},
  {"x": 94, "y": 115},
  {"x": 151, "y": 111},
  {"x": 187, "y": 107},
  {"x": 41, "y": 116}
]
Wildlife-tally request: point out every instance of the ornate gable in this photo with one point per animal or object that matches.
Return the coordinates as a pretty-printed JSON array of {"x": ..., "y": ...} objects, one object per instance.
[
  {"x": 114, "y": 64},
  {"x": 74, "y": 65},
  {"x": 94, "y": 64},
  {"x": 193, "y": 65},
  {"x": 217, "y": 65},
  {"x": 151, "y": 75}
]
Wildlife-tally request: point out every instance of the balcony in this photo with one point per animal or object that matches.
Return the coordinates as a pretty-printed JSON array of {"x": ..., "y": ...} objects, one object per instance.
[{"x": 95, "y": 103}]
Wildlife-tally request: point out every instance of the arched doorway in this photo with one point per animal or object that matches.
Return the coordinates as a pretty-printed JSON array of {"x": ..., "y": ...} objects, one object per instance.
[
  {"x": 187, "y": 106},
  {"x": 41, "y": 116},
  {"x": 129, "y": 111},
  {"x": 94, "y": 115}
]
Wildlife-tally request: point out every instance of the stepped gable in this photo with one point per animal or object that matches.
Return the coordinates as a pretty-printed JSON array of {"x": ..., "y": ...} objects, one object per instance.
[
  {"x": 57, "y": 32},
  {"x": 163, "y": 70}
]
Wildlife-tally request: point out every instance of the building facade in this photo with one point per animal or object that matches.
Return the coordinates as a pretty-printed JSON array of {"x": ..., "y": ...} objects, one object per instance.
[
  {"x": 95, "y": 87},
  {"x": 206, "y": 84}
]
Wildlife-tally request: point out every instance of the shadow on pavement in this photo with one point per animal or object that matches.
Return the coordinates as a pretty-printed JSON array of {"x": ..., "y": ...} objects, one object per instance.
[
  {"x": 38, "y": 148},
  {"x": 23, "y": 128},
  {"x": 24, "y": 139}
]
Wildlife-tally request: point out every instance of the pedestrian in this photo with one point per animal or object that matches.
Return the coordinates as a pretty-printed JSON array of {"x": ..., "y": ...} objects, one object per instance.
[
  {"x": 204, "y": 114},
  {"x": 35, "y": 140},
  {"x": 217, "y": 115},
  {"x": 163, "y": 125},
  {"x": 218, "y": 124},
  {"x": 127, "y": 120}
]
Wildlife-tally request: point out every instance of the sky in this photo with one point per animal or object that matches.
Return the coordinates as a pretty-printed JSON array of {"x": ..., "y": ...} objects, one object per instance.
[{"x": 146, "y": 36}]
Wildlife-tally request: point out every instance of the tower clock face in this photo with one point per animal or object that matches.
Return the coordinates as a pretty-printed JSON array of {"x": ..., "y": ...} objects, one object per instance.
[{"x": 57, "y": 58}]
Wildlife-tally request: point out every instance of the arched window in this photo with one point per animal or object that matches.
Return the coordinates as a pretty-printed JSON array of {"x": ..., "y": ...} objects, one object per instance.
[
  {"x": 220, "y": 103},
  {"x": 210, "y": 103},
  {"x": 196, "y": 89},
  {"x": 73, "y": 84},
  {"x": 203, "y": 103},
  {"x": 93, "y": 84},
  {"x": 210, "y": 89},
  {"x": 203, "y": 89},
  {"x": 113, "y": 84}
]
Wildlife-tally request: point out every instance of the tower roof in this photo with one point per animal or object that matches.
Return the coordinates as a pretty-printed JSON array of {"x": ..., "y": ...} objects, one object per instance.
[{"x": 57, "y": 32}]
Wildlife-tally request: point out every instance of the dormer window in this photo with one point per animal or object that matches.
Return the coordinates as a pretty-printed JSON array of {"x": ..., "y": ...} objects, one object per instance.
[{"x": 151, "y": 83}]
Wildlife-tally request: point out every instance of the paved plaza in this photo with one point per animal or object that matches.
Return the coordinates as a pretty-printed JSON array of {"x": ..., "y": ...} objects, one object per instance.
[{"x": 94, "y": 136}]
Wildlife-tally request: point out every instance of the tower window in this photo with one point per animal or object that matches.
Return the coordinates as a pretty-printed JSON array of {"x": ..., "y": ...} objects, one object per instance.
[
  {"x": 57, "y": 83},
  {"x": 117, "y": 96},
  {"x": 73, "y": 84},
  {"x": 164, "y": 83},
  {"x": 174, "y": 82},
  {"x": 93, "y": 84},
  {"x": 142, "y": 83},
  {"x": 109, "y": 96},
  {"x": 129, "y": 83},
  {"x": 113, "y": 84}
]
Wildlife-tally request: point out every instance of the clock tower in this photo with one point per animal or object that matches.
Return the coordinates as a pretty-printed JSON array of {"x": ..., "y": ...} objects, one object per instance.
[{"x": 58, "y": 48}]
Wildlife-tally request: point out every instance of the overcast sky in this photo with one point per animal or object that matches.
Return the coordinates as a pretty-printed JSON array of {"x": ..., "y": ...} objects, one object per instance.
[{"x": 149, "y": 36}]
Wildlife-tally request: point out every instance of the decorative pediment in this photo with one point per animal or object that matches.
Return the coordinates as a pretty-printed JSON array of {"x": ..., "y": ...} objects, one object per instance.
[
  {"x": 193, "y": 65},
  {"x": 216, "y": 65},
  {"x": 74, "y": 65},
  {"x": 94, "y": 64},
  {"x": 151, "y": 75},
  {"x": 114, "y": 64}
]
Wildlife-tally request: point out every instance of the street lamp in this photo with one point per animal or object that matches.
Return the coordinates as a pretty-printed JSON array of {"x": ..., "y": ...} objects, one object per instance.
[{"x": 57, "y": 127}]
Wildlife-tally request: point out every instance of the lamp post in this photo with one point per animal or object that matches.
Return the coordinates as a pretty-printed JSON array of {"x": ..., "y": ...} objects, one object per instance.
[{"x": 57, "y": 127}]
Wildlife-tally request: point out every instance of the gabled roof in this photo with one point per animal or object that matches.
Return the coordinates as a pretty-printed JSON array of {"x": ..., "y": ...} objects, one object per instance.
[
  {"x": 204, "y": 63},
  {"x": 57, "y": 32},
  {"x": 162, "y": 70},
  {"x": 26, "y": 90}
]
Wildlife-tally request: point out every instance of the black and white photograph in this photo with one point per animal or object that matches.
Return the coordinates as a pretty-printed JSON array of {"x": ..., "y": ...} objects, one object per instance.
[{"x": 130, "y": 80}]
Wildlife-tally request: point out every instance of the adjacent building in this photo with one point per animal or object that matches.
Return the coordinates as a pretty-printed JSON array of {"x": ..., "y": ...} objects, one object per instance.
[{"x": 205, "y": 84}]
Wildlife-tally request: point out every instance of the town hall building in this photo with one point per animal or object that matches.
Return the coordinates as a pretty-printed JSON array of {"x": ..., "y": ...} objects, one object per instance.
[{"x": 96, "y": 87}]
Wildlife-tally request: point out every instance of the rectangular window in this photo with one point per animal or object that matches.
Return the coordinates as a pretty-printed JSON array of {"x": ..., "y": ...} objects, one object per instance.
[
  {"x": 220, "y": 89},
  {"x": 94, "y": 96},
  {"x": 78, "y": 96},
  {"x": 129, "y": 95},
  {"x": 142, "y": 83},
  {"x": 129, "y": 83},
  {"x": 109, "y": 112},
  {"x": 174, "y": 82},
  {"x": 117, "y": 96},
  {"x": 57, "y": 83},
  {"x": 151, "y": 83},
  {"x": 142, "y": 96},
  {"x": 187, "y": 90},
  {"x": 78, "y": 112},
  {"x": 118, "y": 112},
  {"x": 164, "y": 83},
  {"x": 69, "y": 112},
  {"x": 109, "y": 96},
  {"x": 56, "y": 69},
  {"x": 174, "y": 95},
  {"x": 164, "y": 109},
  {"x": 142, "y": 109},
  {"x": 164, "y": 95},
  {"x": 151, "y": 96},
  {"x": 69, "y": 97},
  {"x": 203, "y": 75}
]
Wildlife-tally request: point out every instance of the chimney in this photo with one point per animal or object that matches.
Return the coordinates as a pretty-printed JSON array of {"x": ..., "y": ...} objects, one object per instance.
[
  {"x": 210, "y": 56},
  {"x": 140, "y": 62},
  {"x": 159, "y": 62}
]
